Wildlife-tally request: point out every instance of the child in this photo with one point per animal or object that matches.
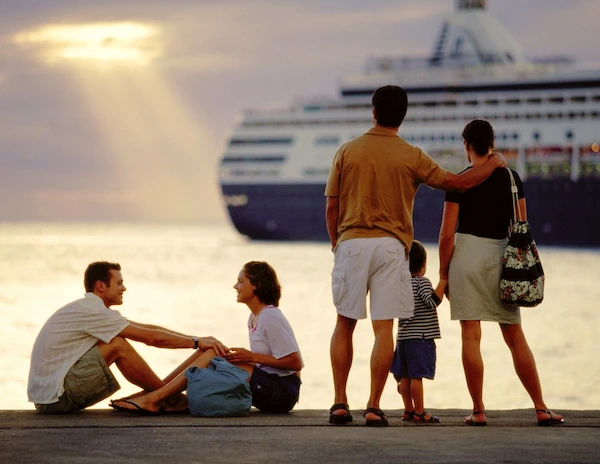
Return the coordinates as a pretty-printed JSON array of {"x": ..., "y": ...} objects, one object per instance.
[{"x": 415, "y": 353}]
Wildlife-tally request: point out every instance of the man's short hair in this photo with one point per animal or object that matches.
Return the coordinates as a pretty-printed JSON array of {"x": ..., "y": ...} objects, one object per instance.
[
  {"x": 390, "y": 103},
  {"x": 100, "y": 270}
]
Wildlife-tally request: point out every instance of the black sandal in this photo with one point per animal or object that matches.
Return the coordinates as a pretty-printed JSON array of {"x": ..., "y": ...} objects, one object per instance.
[
  {"x": 339, "y": 419},
  {"x": 408, "y": 416},
  {"x": 421, "y": 418},
  {"x": 382, "y": 422},
  {"x": 551, "y": 421}
]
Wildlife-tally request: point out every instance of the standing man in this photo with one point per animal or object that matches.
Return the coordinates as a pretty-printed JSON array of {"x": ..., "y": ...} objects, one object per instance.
[
  {"x": 370, "y": 195},
  {"x": 69, "y": 363}
]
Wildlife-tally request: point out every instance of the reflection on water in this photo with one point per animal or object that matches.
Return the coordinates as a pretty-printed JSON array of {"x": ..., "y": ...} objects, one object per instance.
[{"x": 181, "y": 277}]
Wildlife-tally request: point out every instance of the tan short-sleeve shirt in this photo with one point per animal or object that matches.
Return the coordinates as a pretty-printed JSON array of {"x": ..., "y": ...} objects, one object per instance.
[{"x": 376, "y": 177}]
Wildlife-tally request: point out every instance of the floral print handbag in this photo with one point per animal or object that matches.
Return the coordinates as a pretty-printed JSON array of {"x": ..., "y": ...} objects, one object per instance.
[{"x": 522, "y": 278}]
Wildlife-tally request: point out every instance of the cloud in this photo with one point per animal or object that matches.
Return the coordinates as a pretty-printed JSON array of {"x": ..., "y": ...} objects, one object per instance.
[{"x": 57, "y": 158}]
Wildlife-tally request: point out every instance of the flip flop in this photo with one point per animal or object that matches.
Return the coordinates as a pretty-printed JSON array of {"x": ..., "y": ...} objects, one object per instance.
[
  {"x": 469, "y": 420},
  {"x": 551, "y": 421},
  {"x": 340, "y": 419},
  {"x": 382, "y": 422},
  {"x": 138, "y": 411}
]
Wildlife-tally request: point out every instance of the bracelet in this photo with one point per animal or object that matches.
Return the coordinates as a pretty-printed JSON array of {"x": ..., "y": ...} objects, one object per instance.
[{"x": 196, "y": 339}]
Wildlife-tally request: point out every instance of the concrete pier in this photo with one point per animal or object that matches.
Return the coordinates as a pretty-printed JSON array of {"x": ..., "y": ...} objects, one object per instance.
[{"x": 106, "y": 436}]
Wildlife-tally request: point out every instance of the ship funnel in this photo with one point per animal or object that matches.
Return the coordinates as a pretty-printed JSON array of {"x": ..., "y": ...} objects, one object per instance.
[
  {"x": 470, "y": 4},
  {"x": 471, "y": 36}
]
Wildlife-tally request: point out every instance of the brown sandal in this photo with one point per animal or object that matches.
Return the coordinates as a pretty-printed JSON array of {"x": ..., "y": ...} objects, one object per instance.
[
  {"x": 340, "y": 419},
  {"x": 381, "y": 422},
  {"x": 408, "y": 416}
]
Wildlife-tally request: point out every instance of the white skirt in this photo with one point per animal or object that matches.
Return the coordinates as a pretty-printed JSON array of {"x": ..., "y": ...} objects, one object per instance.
[{"x": 474, "y": 281}]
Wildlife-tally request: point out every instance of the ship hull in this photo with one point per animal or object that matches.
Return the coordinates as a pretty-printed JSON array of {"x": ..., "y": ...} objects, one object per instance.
[{"x": 561, "y": 212}]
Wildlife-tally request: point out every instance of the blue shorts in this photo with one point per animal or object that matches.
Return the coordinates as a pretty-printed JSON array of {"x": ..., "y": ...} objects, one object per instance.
[
  {"x": 272, "y": 393},
  {"x": 414, "y": 358}
]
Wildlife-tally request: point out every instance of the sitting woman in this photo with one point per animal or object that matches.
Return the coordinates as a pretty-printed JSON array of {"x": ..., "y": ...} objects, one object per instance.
[{"x": 273, "y": 362}]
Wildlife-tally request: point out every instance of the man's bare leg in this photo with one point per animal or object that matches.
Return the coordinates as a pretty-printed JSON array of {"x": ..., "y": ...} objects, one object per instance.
[
  {"x": 341, "y": 352},
  {"x": 133, "y": 367},
  {"x": 381, "y": 361}
]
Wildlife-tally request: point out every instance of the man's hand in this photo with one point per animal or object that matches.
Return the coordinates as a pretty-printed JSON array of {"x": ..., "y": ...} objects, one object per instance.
[
  {"x": 207, "y": 343},
  {"x": 239, "y": 355},
  {"x": 499, "y": 159}
]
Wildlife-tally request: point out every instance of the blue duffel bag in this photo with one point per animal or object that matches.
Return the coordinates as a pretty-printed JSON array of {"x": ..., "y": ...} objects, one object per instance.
[{"x": 219, "y": 390}]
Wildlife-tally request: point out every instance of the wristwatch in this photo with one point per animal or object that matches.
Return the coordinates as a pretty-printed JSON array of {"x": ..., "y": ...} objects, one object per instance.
[{"x": 196, "y": 339}]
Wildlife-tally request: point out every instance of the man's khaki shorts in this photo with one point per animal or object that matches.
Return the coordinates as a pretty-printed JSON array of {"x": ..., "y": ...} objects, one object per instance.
[
  {"x": 87, "y": 382},
  {"x": 374, "y": 266}
]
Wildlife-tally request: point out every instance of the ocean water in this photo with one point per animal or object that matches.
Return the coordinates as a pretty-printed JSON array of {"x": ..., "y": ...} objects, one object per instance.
[{"x": 182, "y": 277}]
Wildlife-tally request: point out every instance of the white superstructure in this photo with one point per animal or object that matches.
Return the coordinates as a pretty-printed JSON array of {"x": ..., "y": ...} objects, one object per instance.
[{"x": 545, "y": 114}]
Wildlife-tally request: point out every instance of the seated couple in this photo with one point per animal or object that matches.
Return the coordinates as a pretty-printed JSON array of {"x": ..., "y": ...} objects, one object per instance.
[{"x": 75, "y": 347}]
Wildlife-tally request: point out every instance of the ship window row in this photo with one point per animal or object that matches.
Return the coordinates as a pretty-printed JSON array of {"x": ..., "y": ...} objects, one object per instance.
[
  {"x": 327, "y": 140},
  {"x": 550, "y": 115},
  {"x": 316, "y": 172},
  {"x": 453, "y": 138},
  {"x": 230, "y": 158},
  {"x": 533, "y": 100},
  {"x": 254, "y": 172},
  {"x": 261, "y": 141}
]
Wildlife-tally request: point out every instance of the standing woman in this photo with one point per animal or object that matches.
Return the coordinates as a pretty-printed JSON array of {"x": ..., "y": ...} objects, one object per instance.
[
  {"x": 473, "y": 237},
  {"x": 273, "y": 362}
]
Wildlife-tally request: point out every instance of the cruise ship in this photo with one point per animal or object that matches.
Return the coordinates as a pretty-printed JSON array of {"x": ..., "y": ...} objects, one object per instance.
[{"x": 545, "y": 114}]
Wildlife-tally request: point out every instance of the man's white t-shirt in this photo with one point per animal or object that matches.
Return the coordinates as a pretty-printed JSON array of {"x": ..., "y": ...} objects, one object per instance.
[
  {"x": 272, "y": 335},
  {"x": 69, "y": 333}
]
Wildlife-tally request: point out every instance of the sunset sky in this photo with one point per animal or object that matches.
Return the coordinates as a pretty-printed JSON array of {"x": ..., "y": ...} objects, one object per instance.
[{"x": 119, "y": 110}]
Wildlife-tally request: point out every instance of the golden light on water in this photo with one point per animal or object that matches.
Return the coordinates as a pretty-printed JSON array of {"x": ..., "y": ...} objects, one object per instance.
[{"x": 125, "y": 42}]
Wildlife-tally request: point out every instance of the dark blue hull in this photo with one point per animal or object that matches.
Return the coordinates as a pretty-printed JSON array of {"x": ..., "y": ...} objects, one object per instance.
[{"x": 561, "y": 212}]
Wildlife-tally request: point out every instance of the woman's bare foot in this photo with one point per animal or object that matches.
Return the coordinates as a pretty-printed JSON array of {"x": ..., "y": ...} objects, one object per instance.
[
  {"x": 476, "y": 418},
  {"x": 547, "y": 417},
  {"x": 139, "y": 405},
  {"x": 140, "y": 393},
  {"x": 177, "y": 403}
]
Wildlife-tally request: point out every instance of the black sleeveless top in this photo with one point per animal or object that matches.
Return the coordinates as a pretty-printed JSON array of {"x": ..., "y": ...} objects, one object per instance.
[{"x": 486, "y": 210}]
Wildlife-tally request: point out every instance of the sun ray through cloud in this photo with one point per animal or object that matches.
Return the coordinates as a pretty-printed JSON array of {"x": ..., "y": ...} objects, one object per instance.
[{"x": 155, "y": 143}]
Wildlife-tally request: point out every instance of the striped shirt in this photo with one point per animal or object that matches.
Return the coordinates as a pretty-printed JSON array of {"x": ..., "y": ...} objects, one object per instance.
[
  {"x": 424, "y": 323},
  {"x": 69, "y": 333}
]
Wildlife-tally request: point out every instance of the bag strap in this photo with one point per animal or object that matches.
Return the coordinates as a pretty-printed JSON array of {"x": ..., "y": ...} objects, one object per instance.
[{"x": 514, "y": 193}]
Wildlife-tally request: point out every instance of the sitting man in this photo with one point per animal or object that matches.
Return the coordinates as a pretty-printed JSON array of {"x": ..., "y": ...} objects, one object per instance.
[{"x": 69, "y": 363}]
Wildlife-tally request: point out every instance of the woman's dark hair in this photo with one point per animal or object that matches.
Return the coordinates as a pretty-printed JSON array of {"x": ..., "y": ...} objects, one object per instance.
[
  {"x": 479, "y": 135},
  {"x": 100, "y": 270},
  {"x": 390, "y": 103},
  {"x": 262, "y": 276},
  {"x": 417, "y": 256}
]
